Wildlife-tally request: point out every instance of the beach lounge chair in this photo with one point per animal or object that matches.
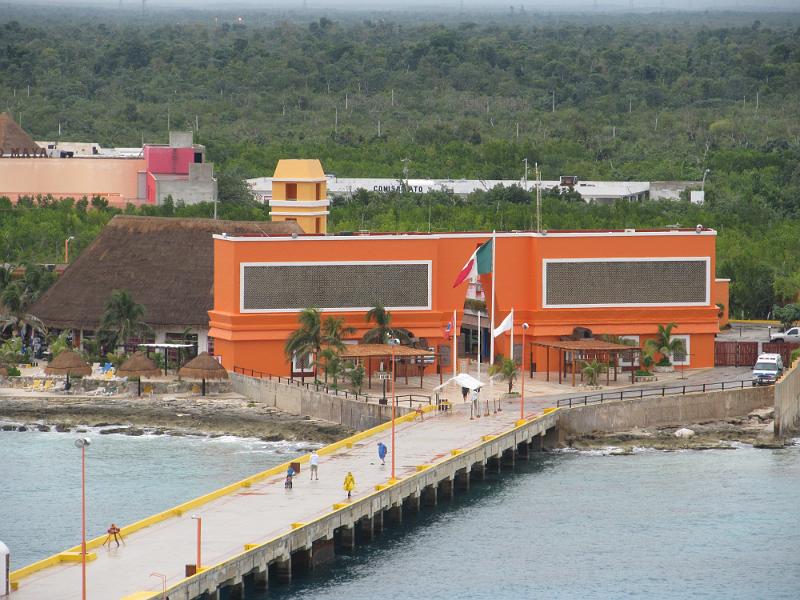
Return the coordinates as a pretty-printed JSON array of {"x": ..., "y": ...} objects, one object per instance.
[
  {"x": 99, "y": 391},
  {"x": 109, "y": 374},
  {"x": 49, "y": 385},
  {"x": 37, "y": 385},
  {"x": 106, "y": 368}
]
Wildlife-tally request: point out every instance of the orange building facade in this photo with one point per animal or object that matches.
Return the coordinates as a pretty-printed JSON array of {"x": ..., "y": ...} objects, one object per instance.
[{"x": 623, "y": 283}]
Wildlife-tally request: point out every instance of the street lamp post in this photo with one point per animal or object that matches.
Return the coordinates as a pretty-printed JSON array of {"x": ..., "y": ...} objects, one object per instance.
[
  {"x": 393, "y": 342},
  {"x": 82, "y": 443},
  {"x": 66, "y": 248},
  {"x": 199, "y": 538},
  {"x": 522, "y": 392}
]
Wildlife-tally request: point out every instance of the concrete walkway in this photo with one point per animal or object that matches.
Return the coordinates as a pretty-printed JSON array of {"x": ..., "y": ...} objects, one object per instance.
[{"x": 261, "y": 512}]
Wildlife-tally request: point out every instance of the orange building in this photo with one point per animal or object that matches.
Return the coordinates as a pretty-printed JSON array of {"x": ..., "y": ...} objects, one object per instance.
[{"x": 622, "y": 283}]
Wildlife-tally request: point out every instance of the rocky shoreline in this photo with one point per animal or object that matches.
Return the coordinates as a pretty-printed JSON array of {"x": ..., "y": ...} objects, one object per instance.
[
  {"x": 226, "y": 414},
  {"x": 756, "y": 429}
]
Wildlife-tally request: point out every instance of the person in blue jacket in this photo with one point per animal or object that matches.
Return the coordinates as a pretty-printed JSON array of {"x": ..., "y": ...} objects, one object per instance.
[{"x": 382, "y": 452}]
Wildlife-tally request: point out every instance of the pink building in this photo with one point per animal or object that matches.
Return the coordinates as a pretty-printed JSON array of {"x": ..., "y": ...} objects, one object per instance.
[{"x": 138, "y": 176}]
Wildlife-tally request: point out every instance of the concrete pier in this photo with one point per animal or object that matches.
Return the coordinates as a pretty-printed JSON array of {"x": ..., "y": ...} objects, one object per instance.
[{"x": 283, "y": 533}]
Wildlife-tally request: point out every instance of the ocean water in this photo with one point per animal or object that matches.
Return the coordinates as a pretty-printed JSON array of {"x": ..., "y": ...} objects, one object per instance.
[
  {"x": 713, "y": 524},
  {"x": 127, "y": 478}
]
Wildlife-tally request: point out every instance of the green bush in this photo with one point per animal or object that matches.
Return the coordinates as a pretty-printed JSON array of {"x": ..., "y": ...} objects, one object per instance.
[
  {"x": 14, "y": 372},
  {"x": 795, "y": 356}
]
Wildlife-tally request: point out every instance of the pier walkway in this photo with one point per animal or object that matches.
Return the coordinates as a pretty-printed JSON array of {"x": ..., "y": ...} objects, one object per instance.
[{"x": 259, "y": 510}]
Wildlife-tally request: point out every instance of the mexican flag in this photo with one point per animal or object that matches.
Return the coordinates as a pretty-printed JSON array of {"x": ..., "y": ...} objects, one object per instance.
[{"x": 479, "y": 263}]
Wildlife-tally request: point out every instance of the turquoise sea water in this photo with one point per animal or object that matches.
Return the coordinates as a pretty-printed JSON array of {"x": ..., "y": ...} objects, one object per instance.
[
  {"x": 127, "y": 478},
  {"x": 715, "y": 524}
]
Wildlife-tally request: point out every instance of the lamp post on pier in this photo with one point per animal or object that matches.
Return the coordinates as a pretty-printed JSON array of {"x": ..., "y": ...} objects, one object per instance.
[
  {"x": 393, "y": 342},
  {"x": 522, "y": 391},
  {"x": 82, "y": 443}
]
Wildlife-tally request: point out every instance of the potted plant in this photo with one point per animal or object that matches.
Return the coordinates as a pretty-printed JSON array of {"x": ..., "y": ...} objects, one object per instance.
[{"x": 592, "y": 371}]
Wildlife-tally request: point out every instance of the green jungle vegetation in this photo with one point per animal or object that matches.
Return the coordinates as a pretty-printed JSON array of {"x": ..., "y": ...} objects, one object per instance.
[{"x": 627, "y": 97}]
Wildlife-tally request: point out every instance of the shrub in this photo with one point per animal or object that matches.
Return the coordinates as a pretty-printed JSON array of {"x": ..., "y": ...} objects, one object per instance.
[{"x": 13, "y": 371}]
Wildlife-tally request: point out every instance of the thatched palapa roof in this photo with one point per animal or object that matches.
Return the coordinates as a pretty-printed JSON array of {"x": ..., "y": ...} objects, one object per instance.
[
  {"x": 203, "y": 366},
  {"x": 12, "y": 136},
  {"x": 166, "y": 264},
  {"x": 138, "y": 365},
  {"x": 68, "y": 363}
]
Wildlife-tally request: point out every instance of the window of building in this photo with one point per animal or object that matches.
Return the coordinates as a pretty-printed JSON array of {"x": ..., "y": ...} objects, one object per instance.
[
  {"x": 198, "y": 157},
  {"x": 302, "y": 364},
  {"x": 291, "y": 191},
  {"x": 682, "y": 358},
  {"x": 625, "y": 361},
  {"x": 211, "y": 345},
  {"x": 318, "y": 225},
  {"x": 319, "y": 192}
]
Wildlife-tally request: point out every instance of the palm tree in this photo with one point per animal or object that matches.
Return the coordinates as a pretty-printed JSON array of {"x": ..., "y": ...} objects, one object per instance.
[
  {"x": 507, "y": 369},
  {"x": 14, "y": 303},
  {"x": 306, "y": 339},
  {"x": 592, "y": 370},
  {"x": 383, "y": 329},
  {"x": 332, "y": 364},
  {"x": 665, "y": 345},
  {"x": 124, "y": 317},
  {"x": 333, "y": 333}
]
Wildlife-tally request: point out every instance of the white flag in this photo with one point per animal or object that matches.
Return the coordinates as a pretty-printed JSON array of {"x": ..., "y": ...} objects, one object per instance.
[{"x": 506, "y": 325}]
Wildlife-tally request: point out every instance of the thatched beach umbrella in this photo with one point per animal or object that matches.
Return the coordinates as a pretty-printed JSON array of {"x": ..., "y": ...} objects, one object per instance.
[
  {"x": 138, "y": 365},
  {"x": 203, "y": 366},
  {"x": 68, "y": 363}
]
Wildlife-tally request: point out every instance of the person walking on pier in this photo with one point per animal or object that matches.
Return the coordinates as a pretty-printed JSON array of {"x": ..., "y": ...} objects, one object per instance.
[
  {"x": 314, "y": 462},
  {"x": 289, "y": 476},
  {"x": 349, "y": 483},
  {"x": 382, "y": 452}
]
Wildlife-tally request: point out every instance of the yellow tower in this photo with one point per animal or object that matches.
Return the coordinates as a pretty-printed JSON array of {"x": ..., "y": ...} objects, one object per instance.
[{"x": 300, "y": 193}]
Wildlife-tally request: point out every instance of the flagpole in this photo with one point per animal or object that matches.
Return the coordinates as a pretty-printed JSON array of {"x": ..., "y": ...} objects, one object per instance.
[
  {"x": 479, "y": 344},
  {"x": 494, "y": 287},
  {"x": 512, "y": 334},
  {"x": 455, "y": 344}
]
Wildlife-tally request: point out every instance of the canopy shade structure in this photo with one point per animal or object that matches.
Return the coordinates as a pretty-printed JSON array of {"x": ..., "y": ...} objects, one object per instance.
[
  {"x": 138, "y": 365},
  {"x": 68, "y": 363},
  {"x": 464, "y": 380},
  {"x": 384, "y": 351},
  {"x": 203, "y": 366},
  {"x": 572, "y": 351}
]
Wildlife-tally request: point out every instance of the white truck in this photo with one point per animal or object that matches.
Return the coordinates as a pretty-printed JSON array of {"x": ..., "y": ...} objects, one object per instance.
[
  {"x": 768, "y": 369},
  {"x": 790, "y": 335}
]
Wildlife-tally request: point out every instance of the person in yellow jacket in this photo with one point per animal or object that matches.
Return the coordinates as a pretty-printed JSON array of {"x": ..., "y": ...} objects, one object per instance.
[{"x": 349, "y": 483}]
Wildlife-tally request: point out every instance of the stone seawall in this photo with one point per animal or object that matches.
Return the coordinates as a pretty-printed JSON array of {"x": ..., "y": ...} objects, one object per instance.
[
  {"x": 297, "y": 400},
  {"x": 663, "y": 411},
  {"x": 787, "y": 402}
]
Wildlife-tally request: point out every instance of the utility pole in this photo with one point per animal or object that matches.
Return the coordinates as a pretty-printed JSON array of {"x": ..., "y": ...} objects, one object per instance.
[
  {"x": 196, "y": 123},
  {"x": 345, "y": 100},
  {"x": 554, "y": 101},
  {"x": 518, "y": 137},
  {"x": 756, "y": 100},
  {"x": 379, "y": 128},
  {"x": 392, "y": 96},
  {"x": 630, "y": 105},
  {"x": 336, "y": 120},
  {"x": 525, "y": 175}
]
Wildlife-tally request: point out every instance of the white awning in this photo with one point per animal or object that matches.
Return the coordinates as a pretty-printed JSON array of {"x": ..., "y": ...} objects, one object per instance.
[
  {"x": 464, "y": 380},
  {"x": 167, "y": 345}
]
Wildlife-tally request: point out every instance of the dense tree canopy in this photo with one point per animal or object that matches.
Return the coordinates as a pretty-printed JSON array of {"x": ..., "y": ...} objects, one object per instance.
[{"x": 622, "y": 97}]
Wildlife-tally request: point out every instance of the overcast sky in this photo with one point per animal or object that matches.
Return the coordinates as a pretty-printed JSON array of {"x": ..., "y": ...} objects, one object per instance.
[{"x": 451, "y": 5}]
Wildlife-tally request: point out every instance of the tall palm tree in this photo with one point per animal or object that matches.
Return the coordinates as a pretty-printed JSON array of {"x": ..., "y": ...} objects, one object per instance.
[
  {"x": 124, "y": 317},
  {"x": 334, "y": 332},
  {"x": 306, "y": 339},
  {"x": 383, "y": 329},
  {"x": 665, "y": 345}
]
